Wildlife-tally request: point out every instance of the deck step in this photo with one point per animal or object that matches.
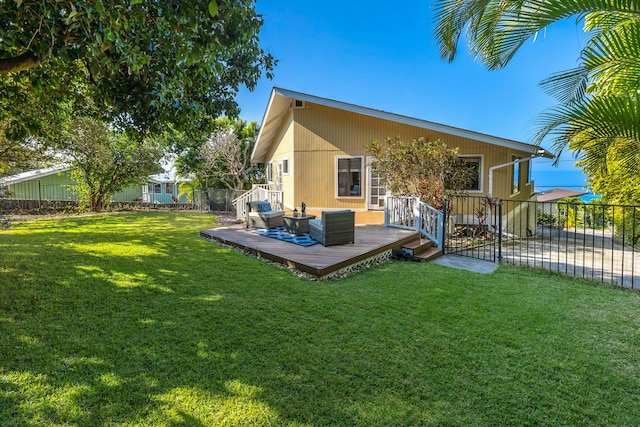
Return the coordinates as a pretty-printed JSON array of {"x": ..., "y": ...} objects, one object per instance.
[
  {"x": 429, "y": 254},
  {"x": 420, "y": 249},
  {"x": 418, "y": 246}
]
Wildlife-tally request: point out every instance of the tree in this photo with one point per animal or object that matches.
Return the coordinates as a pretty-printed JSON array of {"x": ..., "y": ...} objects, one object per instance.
[
  {"x": 224, "y": 159},
  {"x": 598, "y": 100},
  {"x": 16, "y": 156},
  {"x": 617, "y": 180},
  {"x": 573, "y": 209},
  {"x": 421, "y": 168},
  {"x": 105, "y": 161},
  {"x": 149, "y": 64}
]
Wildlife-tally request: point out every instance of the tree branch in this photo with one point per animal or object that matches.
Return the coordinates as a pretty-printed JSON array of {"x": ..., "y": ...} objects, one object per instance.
[{"x": 19, "y": 63}]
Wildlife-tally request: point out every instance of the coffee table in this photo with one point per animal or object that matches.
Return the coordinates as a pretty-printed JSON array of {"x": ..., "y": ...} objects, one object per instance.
[{"x": 297, "y": 225}]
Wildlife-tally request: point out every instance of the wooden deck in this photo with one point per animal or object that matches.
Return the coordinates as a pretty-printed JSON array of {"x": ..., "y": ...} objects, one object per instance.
[{"x": 317, "y": 260}]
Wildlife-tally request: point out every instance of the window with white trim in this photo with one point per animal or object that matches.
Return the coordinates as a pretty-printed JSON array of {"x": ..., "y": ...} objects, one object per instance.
[
  {"x": 270, "y": 172},
  {"x": 515, "y": 176},
  {"x": 474, "y": 163},
  {"x": 284, "y": 165},
  {"x": 349, "y": 176}
]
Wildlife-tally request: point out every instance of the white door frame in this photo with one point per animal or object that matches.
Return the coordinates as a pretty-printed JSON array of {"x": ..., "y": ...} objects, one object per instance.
[{"x": 370, "y": 187}]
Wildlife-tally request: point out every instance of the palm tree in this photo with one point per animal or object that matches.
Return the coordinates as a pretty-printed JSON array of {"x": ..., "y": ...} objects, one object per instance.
[{"x": 598, "y": 101}]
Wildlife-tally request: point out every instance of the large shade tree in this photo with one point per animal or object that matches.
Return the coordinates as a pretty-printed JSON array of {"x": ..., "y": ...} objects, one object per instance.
[
  {"x": 149, "y": 65},
  {"x": 598, "y": 101},
  {"x": 105, "y": 160},
  {"x": 16, "y": 156}
]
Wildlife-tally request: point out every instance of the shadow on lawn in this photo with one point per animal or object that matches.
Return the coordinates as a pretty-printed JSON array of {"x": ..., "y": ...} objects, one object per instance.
[{"x": 172, "y": 330}]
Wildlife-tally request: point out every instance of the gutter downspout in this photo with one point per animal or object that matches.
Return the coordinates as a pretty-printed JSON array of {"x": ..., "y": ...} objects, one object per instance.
[
  {"x": 492, "y": 168},
  {"x": 490, "y": 194}
]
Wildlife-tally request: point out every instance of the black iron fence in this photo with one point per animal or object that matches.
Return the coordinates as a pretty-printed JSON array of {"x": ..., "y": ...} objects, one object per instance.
[
  {"x": 220, "y": 199},
  {"x": 589, "y": 240}
]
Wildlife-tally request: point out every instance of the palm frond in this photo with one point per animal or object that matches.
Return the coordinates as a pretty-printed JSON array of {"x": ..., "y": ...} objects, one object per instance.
[
  {"x": 598, "y": 119},
  {"x": 496, "y": 29},
  {"x": 613, "y": 58},
  {"x": 567, "y": 86}
]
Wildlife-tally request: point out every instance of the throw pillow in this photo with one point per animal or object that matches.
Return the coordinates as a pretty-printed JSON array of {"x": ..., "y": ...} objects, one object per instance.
[{"x": 264, "y": 207}]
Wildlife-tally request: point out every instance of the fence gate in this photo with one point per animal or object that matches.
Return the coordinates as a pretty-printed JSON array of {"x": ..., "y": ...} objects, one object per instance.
[
  {"x": 594, "y": 240},
  {"x": 473, "y": 227}
]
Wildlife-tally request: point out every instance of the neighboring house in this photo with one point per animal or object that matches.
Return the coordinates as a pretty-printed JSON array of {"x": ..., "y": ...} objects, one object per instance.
[
  {"x": 314, "y": 150},
  {"x": 163, "y": 188},
  {"x": 54, "y": 183},
  {"x": 51, "y": 183},
  {"x": 550, "y": 198}
]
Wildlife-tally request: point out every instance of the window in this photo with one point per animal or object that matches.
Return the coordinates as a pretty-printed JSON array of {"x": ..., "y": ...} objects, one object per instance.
[
  {"x": 270, "y": 172},
  {"x": 475, "y": 164},
  {"x": 349, "y": 176},
  {"x": 515, "y": 178},
  {"x": 377, "y": 191},
  {"x": 169, "y": 188},
  {"x": 154, "y": 188},
  {"x": 529, "y": 174},
  {"x": 284, "y": 165}
]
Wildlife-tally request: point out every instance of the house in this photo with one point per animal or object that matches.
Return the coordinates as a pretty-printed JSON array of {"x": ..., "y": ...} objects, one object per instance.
[
  {"x": 54, "y": 183},
  {"x": 314, "y": 150},
  {"x": 50, "y": 183},
  {"x": 163, "y": 188},
  {"x": 550, "y": 198}
]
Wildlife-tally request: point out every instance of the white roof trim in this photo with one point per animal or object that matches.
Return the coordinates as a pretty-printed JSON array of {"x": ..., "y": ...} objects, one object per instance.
[
  {"x": 264, "y": 120},
  {"x": 34, "y": 174},
  {"x": 437, "y": 127}
]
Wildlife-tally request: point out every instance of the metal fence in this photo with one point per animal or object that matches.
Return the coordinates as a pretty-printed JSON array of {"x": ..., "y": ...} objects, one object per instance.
[
  {"x": 221, "y": 199},
  {"x": 588, "y": 240}
]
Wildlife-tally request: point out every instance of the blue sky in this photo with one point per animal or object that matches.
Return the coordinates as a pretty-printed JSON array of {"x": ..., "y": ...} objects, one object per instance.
[{"x": 383, "y": 55}]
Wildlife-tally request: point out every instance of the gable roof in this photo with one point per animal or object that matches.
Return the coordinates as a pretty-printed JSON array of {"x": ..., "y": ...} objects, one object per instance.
[
  {"x": 280, "y": 101},
  {"x": 557, "y": 194},
  {"x": 34, "y": 174}
]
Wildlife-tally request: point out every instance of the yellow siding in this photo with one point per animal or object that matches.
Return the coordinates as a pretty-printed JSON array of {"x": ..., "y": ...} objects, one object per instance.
[
  {"x": 281, "y": 151},
  {"x": 313, "y": 136}
]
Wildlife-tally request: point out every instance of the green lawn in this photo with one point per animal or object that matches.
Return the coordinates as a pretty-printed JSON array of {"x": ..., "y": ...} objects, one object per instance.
[{"x": 132, "y": 319}]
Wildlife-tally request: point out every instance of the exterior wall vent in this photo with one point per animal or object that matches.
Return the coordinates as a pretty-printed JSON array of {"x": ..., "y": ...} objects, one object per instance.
[{"x": 297, "y": 104}]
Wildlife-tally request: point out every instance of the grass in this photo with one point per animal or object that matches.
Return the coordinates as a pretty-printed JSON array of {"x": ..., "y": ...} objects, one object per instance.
[{"x": 131, "y": 319}]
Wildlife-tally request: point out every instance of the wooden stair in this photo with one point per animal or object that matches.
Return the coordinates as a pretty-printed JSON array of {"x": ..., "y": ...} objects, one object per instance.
[{"x": 420, "y": 249}]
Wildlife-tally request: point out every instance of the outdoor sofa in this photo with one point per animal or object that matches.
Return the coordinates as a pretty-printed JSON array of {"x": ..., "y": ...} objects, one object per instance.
[
  {"x": 333, "y": 228},
  {"x": 261, "y": 215}
]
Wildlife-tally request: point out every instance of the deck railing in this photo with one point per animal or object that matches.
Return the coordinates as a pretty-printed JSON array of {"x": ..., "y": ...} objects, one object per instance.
[
  {"x": 412, "y": 214},
  {"x": 257, "y": 192}
]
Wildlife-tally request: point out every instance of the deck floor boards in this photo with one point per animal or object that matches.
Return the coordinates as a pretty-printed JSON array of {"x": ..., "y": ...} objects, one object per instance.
[{"x": 318, "y": 260}]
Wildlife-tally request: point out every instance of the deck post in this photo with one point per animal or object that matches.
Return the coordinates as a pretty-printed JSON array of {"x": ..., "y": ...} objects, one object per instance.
[
  {"x": 441, "y": 227},
  {"x": 386, "y": 210},
  {"x": 499, "y": 230},
  {"x": 417, "y": 217}
]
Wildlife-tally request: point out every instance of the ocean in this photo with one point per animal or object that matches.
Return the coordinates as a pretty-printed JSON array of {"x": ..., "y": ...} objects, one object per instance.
[{"x": 572, "y": 179}]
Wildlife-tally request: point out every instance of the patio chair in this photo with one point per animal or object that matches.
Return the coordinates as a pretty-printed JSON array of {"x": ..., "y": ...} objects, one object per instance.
[
  {"x": 260, "y": 215},
  {"x": 334, "y": 228}
]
